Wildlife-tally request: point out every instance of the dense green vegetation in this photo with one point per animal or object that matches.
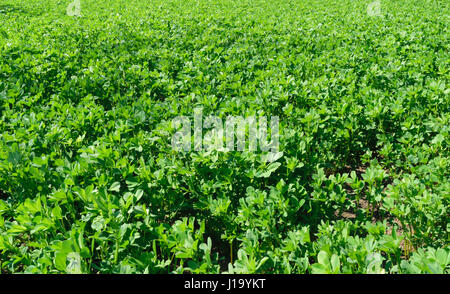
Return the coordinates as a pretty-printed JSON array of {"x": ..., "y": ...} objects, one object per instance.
[{"x": 89, "y": 181}]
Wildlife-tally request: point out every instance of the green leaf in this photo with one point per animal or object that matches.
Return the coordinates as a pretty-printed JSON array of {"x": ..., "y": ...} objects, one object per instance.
[
  {"x": 335, "y": 263},
  {"x": 268, "y": 170},
  {"x": 60, "y": 261},
  {"x": 115, "y": 187},
  {"x": 69, "y": 182}
]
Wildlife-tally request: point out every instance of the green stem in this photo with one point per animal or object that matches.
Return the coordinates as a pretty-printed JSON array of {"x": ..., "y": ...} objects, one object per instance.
[
  {"x": 231, "y": 251},
  {"x": 116, "y": 253}
]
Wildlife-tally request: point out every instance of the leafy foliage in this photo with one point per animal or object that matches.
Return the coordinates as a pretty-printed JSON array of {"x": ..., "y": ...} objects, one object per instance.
[{"x": 89, "y": 182}]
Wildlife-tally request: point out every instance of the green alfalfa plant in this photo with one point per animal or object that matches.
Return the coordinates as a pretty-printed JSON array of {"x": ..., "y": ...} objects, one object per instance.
[
  {"x": 374, "y": 176},
  {"x": 357, "y": 186}
]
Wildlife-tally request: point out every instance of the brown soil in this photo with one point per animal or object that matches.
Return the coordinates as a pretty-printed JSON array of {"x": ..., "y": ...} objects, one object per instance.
[{"x": 405, "y": 245}]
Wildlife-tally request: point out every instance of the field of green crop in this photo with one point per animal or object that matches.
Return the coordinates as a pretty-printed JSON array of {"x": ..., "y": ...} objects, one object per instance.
[{"x": 89, "y": 181}]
